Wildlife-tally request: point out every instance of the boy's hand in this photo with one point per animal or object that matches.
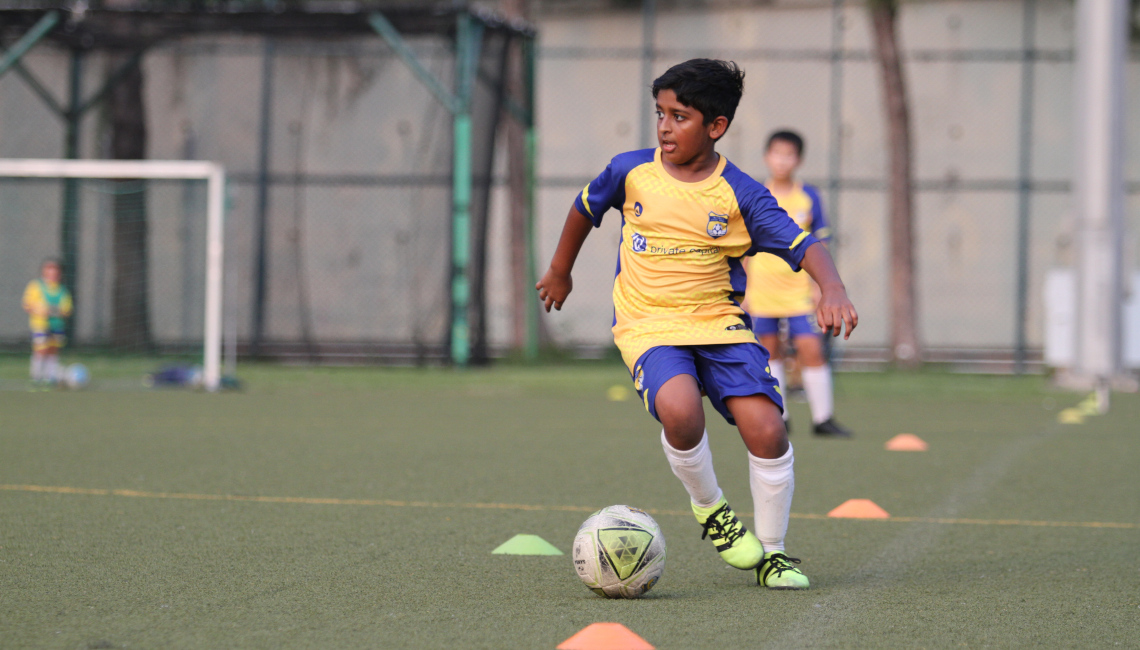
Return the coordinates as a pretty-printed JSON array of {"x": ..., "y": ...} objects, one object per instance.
[
  {"x": 553, "y": 288},
  {"x": 834, "y": 310}
]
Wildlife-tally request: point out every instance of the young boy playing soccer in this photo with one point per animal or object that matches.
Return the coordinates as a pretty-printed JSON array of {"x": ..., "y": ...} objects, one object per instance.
[
  {"x": 48, "y": 304},
  {"x": 688, "y": 217},
  {"x": 776, "y": 292}
]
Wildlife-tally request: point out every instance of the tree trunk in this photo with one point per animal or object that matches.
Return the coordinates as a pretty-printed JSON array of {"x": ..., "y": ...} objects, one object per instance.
[
  {"x": 130, "y": 324},
  {"x": 905, "y": 351},
  {"x": 522, "y": 295}
]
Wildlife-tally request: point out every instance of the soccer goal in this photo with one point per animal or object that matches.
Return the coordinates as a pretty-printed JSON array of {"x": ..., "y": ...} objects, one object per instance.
[{"x": 144, "y": 243}]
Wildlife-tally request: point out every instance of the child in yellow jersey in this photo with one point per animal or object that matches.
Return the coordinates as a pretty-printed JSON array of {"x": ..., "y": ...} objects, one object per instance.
[
  {"x": 689, "y": 219},
  {"x": 48, "y": 304},
  {"x": 776, "y": 292}
]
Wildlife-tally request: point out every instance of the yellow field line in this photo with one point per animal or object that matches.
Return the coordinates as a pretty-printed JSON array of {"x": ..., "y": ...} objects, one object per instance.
[{"x": 52, "y": 489}]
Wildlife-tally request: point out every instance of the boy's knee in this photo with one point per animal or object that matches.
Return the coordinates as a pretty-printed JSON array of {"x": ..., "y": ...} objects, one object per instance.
[
  {"x": 810, "y": 350},
  {"x": 767, "y": 439},
  {"x": 681, "y": 412},
  {"x": 772, "y": 429},
  {"x": 683, "y": 429}
]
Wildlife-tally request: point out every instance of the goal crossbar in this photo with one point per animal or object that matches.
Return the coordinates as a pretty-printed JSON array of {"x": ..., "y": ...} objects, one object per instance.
[{"x": 215, "y": 177}]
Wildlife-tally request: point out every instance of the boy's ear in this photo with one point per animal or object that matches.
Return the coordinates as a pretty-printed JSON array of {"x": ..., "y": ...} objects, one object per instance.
[{"x": 718, "y": 127}]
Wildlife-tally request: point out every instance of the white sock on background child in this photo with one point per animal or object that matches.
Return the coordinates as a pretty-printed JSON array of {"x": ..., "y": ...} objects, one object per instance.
[
  {"x": 695, "y": 469},
  {"x": 773, "y": 482},
  {"x": 817, "y": 387},
  {"x": 51, "y": 368},
  {"x": 37, "y": 367},
  {"x": 778, "y": 374}
]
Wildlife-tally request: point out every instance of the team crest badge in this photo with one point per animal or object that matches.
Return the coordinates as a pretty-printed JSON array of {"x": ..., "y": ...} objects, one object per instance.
[
  {"x": 639, "y": 381},
  {"x": 637, "y": 209},
  {"x": 718, "y": 225}
]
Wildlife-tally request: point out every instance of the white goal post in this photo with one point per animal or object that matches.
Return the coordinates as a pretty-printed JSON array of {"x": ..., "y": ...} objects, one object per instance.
[{"x": 214, "y": 175}]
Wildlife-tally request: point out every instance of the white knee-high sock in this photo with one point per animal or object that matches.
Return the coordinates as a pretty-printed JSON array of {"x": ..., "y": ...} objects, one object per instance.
[
  {"x": 817, "y": 386},
  {"x": 37, "y": 367},
  {"x": 695, "y": 469},
  {"x": 773, "y": 483},
  {"x": 51, "y": 367},
  {"x": 777, "y": 367}
]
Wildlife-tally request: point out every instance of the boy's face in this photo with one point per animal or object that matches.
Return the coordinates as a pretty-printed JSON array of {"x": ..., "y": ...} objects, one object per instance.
[
  {"x": 681, "y": 130},
  {"x": 782, "y": 160},
  {"x": 51, "y": 273}
]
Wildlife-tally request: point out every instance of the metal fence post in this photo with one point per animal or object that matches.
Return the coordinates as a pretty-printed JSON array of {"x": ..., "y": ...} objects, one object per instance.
[
  {"x": 1102, "y": 41},
  {"x": 1024, "y": 184},
  {"x": 261, "y": 263},
  {"x": 835, "y": 114},
  {"x": 532, "y": 314},
  {"x": 69, "y": 220},
  {"x": 648, "y": 30},
  {"x": 468, "y": 37}
]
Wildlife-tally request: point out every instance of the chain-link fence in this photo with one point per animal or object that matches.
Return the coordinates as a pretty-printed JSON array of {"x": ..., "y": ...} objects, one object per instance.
[
  {"x": 340, "y": 161},
  {"x": 339, "y": 228}
]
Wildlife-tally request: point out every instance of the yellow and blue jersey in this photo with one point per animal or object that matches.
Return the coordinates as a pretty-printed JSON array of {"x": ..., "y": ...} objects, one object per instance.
[
  {"x": 48, "y": 305},
  {"x": 774, "y": 289},
  {"x": 680, "y": 273}
]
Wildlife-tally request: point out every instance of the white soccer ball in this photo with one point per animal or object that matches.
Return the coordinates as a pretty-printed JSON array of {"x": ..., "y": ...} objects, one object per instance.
[
  {"x": 76, "y": 376},
  {"x": 619, "y": 552}
]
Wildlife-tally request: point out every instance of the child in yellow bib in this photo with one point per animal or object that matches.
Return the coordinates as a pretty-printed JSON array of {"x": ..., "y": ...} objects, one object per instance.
[
  {"x": 776, "y": 292},
  {"x": 48, "y": 304}
]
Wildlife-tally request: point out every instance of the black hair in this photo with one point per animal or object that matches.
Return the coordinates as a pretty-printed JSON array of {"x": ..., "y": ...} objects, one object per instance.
[
  {"x": 789, "y": 136},
  {"x": 711, "y": 86}
]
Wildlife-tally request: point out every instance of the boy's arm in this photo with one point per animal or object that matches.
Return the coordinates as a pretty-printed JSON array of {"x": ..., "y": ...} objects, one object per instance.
[
  {"x": 556, "y": 283},
  {"x": 834, "y": 307}
]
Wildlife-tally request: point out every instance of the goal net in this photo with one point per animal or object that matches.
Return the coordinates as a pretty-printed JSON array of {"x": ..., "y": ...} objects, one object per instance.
[{"x": 142, "y": 247}]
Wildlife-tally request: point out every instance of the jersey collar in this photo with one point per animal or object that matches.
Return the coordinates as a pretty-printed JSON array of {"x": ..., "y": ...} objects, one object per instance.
[{"x": 713, "y": 178}]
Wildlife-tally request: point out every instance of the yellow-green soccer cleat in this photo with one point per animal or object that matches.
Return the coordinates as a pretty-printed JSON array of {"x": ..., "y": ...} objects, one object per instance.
[
  {"x": 778, "y": 571},
  {"x": 733, "y": 541}
]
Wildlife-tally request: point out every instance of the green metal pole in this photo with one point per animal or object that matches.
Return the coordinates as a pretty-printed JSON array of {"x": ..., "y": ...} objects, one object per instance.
[
  {"x": 28, "y": 40},
  {"x": 460, "y": 244},
  {"x": 467, "y": 36},
  {"x": 532, "y": 315},
  {"x": 392, "y": 37}
]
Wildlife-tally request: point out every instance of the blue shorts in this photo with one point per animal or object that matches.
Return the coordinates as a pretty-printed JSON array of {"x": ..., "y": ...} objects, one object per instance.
[
  {"x": 797, "y": 325},
  {"x": 722, "y": 371},
  {"x": 44, "y": 341}
]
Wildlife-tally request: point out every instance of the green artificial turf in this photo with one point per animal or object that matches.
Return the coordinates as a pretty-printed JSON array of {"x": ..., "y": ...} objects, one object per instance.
[{"x": 100, "y": 570}]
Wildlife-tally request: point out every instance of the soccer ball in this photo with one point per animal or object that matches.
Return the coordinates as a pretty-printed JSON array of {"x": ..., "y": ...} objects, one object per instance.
[
  {"x": 76, "y": 376},
  {"x": 619, "y": 552}
]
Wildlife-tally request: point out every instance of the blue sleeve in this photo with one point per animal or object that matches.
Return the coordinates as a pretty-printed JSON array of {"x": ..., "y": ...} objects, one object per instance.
[
  {"x": 608, "y": 189},
  {"x": 820, "y": 228},
  {"x": 770, "y": 227}
]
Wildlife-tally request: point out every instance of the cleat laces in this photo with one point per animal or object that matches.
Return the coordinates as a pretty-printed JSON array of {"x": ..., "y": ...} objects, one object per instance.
[
  {"x": 731, "y": 532},
  {"x": 777, "y": 563}
]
